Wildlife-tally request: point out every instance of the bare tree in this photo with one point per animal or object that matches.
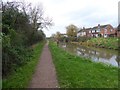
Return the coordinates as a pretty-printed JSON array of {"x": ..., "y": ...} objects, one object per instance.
[{"x": 37, "y": 18}]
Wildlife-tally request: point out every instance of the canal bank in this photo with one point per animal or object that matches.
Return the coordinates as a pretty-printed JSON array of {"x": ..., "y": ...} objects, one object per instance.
[
  {"x": 108, "y": 43},
  {"x": 77, "y": 72},
  {"x": 107, "y": 56}
]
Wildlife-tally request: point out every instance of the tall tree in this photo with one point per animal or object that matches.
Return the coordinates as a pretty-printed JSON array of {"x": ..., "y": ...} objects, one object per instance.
[
  {"x": 37, "y": 18},
  {"x": 19, "y": 31},
  {"x": 58, "y": 35},
  {"x": 72, "y": 31}
]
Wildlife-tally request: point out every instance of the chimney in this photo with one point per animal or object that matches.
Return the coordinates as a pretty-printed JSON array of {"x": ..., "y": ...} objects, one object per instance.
[
  {"x": 83, "y": 28},
  {"x": 98, "y": 25}
]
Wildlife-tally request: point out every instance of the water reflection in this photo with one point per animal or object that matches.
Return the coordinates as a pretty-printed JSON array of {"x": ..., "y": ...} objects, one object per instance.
[{"x": 96, "y": 54}]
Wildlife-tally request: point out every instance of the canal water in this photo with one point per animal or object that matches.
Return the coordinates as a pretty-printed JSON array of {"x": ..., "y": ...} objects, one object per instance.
[{"x": 103, "y": 55}]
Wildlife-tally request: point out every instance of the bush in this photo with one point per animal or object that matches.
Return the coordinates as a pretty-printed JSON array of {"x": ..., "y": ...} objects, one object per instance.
[
  {"x": 14, "y": 54},
  {"x": 18, "y": 34},
  {"x": 83, "y": 39},
  {"x": 111, "y": 43}
]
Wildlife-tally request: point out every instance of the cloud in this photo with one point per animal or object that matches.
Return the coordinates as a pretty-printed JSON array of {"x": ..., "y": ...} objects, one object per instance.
[
  {"x": 94, "y": 13},
  {"x": 86, "y": 13}
]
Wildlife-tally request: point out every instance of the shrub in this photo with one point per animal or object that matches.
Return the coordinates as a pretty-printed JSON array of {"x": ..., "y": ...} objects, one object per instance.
[
  {"x": 83, "y": 39},
  {"x": 14, "y": 54}
]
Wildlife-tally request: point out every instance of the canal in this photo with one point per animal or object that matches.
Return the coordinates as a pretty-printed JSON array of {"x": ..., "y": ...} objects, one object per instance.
[{"x": 103, "y": 55}]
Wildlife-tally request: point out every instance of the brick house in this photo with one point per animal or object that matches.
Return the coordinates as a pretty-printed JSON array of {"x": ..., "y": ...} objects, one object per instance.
[
  {"x": 95, "y": 31},
  {"x": 85, "y": 32},
  {"x": 108, "y": 31},
  {"x": 88, "y": 32},
  {"x": 81, "y": 33},
  {"x": 103, "y": 31},
  {"x": 99, "y": 31},
  {"x": 118, "y": 31}
]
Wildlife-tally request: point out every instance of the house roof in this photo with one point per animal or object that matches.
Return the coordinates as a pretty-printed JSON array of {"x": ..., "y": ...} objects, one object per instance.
[
  {"x": 83, "y": 30},
  {"x": 118, "y": 28},
  {"x": 88, "y": 28},
  {"x": 101, "y": 26}
]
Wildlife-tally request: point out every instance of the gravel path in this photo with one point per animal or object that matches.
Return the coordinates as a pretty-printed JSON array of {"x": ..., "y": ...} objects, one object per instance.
[{"x": 45, "y": 74}]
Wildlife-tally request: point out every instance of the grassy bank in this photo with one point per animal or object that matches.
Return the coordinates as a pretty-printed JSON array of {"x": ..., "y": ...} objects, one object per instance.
[
  {"x": 21, "y": 78},
  {"x": 111, "y": 43},
  {"x": 76, "y": 72},
  {"x": 108, "y": 43}
]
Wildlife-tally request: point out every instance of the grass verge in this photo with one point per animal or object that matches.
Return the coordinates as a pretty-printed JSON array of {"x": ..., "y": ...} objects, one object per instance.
[
  {"x": 76, "y": 72},
  {"x": 111, "y": 43},
  {"x": 23, "y": 75}
]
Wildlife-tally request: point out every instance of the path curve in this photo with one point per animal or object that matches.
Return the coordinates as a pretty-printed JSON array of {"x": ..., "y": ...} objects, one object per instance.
[{"x": 45, "y": 74}]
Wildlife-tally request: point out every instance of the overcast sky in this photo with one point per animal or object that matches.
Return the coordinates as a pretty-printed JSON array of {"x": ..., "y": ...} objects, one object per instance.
[{"x": 82, "y": 13}]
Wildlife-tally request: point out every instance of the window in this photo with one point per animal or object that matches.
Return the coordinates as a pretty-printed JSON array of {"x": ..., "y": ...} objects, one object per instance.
[
  {"x": 105, "y": 35},
  {"x": 93, "y": 31},
  {"x": 89, "y": 31},
  {"x": 98, "y": 30},
  {"x": 96, "y": 35},
  {"x": 84, "y": 33}
]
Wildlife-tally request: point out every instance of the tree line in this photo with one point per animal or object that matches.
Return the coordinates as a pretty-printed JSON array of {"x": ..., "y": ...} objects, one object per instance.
[
  {"x": 22, "y": 26},
  {"x": 71, "y": 32}
]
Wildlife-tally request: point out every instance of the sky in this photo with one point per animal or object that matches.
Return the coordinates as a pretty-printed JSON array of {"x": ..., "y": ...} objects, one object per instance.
[{"x": 82, "y": 13}]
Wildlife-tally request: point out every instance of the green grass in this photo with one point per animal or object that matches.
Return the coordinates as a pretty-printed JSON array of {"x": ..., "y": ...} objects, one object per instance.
[
  {"x": 23, "y": 75},
  {"x": 105, "y": 42},
  {"x": 76, "y": 72}
]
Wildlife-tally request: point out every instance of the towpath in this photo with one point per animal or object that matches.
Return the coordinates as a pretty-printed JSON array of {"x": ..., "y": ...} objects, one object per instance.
[{"x": 45, "y": 74}]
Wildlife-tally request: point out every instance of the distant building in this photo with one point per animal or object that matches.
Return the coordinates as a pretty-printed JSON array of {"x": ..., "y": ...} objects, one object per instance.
[
  {"x": 85, "y": 32},
  {"x": 118, "y": 31},
  {"x": 98, "y": 31},
  {"x": 88, "y": 32},
  {"x": 108, "y": 31},
  {"x": 95, "y": 31}
]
